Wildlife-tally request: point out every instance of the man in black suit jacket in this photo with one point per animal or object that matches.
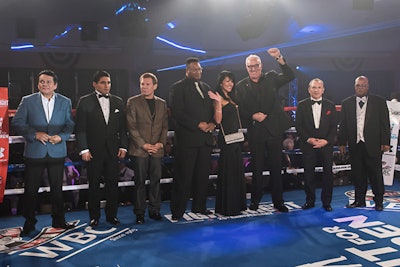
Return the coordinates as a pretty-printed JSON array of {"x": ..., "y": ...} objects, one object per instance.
[
  {"x": 365, "y": 128},
  {"x": 266, "y": 121},
  {"x": 102, "y": 139},
  {"x": 192, "y": 112},
  {"x": 316, "y": 125}
]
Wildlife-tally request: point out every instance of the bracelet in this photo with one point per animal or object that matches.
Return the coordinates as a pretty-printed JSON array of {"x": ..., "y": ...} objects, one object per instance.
[{"x": 277, "y": 58}]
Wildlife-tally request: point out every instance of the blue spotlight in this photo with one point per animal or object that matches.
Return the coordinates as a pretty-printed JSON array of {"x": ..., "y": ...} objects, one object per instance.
[
  {"x": 106, "y": 28},
  {"x": 171, "y": 25},
  {"x": 297, "y": 67}
]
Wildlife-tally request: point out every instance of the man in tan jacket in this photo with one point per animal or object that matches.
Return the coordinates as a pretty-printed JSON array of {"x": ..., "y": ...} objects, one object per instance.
[{"x": 147, "y": 123}]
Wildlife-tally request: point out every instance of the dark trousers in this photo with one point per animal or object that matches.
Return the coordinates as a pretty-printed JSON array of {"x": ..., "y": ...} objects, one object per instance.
[
  {"x": 364, "y": 167},
  {"x": 34, "y": 169},
  {"x": 103, "y": 168},
  {"x": 147, "y": 168},
  {"x": 311, "y": 158},
  {"x": 192, "y": 166},
  {"x": 272, "y": 146}
]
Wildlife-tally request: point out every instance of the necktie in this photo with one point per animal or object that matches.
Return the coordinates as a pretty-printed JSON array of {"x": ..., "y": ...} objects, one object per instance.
[
  {"x": 105, "y": 96},
  {"x": 361, "y": 103},
  {"x": 198, "y": 89},
  {"x": 316, "y": 102}
]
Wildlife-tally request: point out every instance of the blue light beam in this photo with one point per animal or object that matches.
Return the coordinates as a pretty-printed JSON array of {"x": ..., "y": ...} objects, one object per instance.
[
  {"x": 345, "y": 33},
  {"x": 180, "y": 46}
]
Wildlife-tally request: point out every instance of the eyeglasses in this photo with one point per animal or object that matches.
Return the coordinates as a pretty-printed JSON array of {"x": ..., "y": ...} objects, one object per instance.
[
  {"x": 361, "y": 85},
  {"x": 196, "y": 70},
  {"x": 255, "y": 66}
]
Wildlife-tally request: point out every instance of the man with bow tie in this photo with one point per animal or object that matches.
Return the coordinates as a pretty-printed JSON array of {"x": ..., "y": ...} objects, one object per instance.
[
  {"x": 102, "y": 142},
  {"x": 316, "y": 124},
  {"x": 365, "y": 128}
]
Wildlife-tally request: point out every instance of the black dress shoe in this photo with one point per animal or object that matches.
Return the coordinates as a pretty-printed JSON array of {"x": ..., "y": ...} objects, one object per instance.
[
  {"x": 378, "y": 206},
  {"x": 253, "y": 206},
  {"x": 328, "y": 208},
  {"x": 29, "y": 226},
  {"x": 356, "y": 204},
  {"x": 113, "y": 221},
  {"x": 156, "y": 216},
  {"x": 281, "y": 208},
  {"x": 94, "y": 222},
  {"x": 206, "y": 212},
  {"x": 140, "y": 219},
  {"x": 308, "y": 205},
  {"x": 64, "y": 225},
  {"x": 176, "y": 217}
]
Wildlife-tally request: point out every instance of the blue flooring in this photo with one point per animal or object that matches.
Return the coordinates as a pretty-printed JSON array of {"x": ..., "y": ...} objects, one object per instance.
[{"x": 344, "y": 237}]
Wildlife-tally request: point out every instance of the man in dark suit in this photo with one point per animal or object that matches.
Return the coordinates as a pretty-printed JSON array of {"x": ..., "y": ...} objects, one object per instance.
[
  {"x": 44, "y": 119},
  {"x": 266, "y": 121},
  {"x": 147, "y": 123},
  {"x": 316, "y": 125},
  {"x": 365, "y": 128},
  {"x": 102, "y": 141},
  {"x": 192, "y": 112}
]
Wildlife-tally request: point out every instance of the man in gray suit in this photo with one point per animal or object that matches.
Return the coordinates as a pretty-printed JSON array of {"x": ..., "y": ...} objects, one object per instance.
[
  {"x": 147, "y": 123},
  {"x": 44, "y": 119}
]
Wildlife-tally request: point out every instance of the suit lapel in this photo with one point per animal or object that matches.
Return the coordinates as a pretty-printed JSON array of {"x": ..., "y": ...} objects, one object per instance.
[{"x": 39, "y": 105}]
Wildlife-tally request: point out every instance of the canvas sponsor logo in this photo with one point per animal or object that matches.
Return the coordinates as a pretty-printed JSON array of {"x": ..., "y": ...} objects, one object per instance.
[
  {"x": 56, "y": 243},
  {"x": 264, "y": 209},
  {"x": 389, "y": 197}
]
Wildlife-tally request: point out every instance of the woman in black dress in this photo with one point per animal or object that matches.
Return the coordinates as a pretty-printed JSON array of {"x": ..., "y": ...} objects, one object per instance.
[{"x": 231, "y": 187}]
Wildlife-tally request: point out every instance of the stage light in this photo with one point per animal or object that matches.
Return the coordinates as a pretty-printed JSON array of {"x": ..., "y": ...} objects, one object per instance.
[
  {"x": 106, "y": 28},
  {"x": 21, "y": 46},
  {"x": 180, "y": 46},
  {"x": 297, "y": 67},
  {"x": 171, "y": 25}
]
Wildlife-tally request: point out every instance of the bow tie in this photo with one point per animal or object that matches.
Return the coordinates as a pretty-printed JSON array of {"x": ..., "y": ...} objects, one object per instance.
[
  {"x": 100, "y": 96},
  {"x": 316, "y": 102}
]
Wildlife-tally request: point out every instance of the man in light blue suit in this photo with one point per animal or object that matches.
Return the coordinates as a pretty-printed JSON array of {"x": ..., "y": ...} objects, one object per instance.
[{"x": 44, "y": 119}]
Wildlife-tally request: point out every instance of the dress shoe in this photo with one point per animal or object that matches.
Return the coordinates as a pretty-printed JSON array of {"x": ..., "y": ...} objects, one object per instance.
[
  {"x": 140, "y": 219},
  {"x": 206, "y": 212},
  {"x": 176, "y": 217},
  {"x": 328, "y": 208},
  {"x": 308, "y": 205},
  {"x": 29, "y": 226},
  {"x": 356, "y": 204},
  {"x": 281, "y": 208},
  {"x": 113, "y": 221},
  {"x": 64, "y": 225},
  {"x": 253, "y": 206},
  {"x": 94, "y": 222},
  {"x": 378, "y": 206},
  {"x": 156, "y": 216}
]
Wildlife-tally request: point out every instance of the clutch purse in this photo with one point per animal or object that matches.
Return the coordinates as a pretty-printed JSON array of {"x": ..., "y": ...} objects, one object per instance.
[{"x": 234, "y": 137}]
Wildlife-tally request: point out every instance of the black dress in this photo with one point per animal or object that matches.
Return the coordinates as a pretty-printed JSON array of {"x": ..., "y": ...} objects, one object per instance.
[{"x": 231, "y": 187}]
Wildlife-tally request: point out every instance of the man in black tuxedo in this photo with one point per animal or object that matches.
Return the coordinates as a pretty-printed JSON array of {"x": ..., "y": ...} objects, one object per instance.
[
  {"x": 266, "y": 122},
  {"x": 365, "y": 128},
  {"x": 316, "y": 125},
  {"x": 102, "y": 141},
  {"x": 192, "y": 111}
]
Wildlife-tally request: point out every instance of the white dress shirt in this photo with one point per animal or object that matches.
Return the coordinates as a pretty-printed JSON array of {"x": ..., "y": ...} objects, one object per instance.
[
  {"x": 316, "y": 110},
  {"x": 48, "y": 106}
]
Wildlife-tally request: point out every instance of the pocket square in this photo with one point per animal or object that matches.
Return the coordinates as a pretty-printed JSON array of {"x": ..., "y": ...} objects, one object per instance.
[{"x": 116, "y": 111}]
